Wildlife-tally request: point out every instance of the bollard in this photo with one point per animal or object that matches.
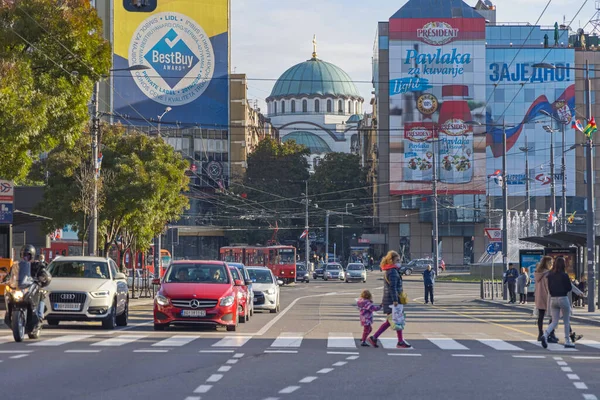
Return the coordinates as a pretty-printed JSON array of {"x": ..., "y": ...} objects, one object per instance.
[{"x": 482, "y": 294}]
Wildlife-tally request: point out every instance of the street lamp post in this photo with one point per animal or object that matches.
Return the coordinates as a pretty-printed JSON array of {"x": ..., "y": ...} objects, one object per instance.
[
  {"x": 591, "y": 234},
  {"x": 157, "y": 239},
  {"x": 95, "y": 131},
  {"x": 526, "y": 149},
  {"x": 552, "y": 187}
]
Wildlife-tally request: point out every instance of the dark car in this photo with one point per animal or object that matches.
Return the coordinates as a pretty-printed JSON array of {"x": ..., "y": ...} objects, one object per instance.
[
  {"x": 319, "y": 272},
  {"x": 302, "y": 274}
]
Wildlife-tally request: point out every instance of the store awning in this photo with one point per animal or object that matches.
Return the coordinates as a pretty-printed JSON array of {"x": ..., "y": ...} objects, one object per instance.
[{"x": 22, "y": 218}]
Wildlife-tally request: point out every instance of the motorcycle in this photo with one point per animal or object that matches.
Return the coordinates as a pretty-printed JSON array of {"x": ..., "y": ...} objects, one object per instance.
[{"x": 21, "y": 311}]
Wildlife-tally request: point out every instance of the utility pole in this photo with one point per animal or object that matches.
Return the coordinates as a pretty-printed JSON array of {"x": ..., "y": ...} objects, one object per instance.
[
  {"x": 435, "y": 212},
  {"x": 563, "y": 170},
  {"x": 552, "y": 177},
  {"x": 505, "y": 248},
  {"x": 307, "y": 243},
  {"x": 327, "y": 213},
  {"x": 526, "y": 150},
  {"x": 157, "y": 240},
  {"x": 591, "y": 232},
  {"x": 93, "y": 239}
]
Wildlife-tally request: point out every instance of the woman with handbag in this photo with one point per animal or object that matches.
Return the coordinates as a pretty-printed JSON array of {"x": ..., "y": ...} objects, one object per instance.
[
  {"x": 559, "y": 287},
  {"x": 392, "y": 292}
]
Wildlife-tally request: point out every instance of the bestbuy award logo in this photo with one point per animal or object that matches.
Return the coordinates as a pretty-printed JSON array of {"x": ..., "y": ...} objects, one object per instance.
[{"x": 180, "y": 55}]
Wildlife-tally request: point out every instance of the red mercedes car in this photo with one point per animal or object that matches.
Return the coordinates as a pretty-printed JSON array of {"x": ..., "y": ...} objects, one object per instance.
[{"x": 197, "y": 293}]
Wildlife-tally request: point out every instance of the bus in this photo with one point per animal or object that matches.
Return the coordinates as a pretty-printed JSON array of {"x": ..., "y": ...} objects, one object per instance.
[{"x": 281, "y": 260}]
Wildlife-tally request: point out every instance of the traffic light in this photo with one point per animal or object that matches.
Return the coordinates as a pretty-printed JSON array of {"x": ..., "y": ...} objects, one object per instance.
[{"x": 140, "y": 5}]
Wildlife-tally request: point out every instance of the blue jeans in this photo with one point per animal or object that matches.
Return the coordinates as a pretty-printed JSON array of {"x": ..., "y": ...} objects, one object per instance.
[{"x": 40, "y": 310}]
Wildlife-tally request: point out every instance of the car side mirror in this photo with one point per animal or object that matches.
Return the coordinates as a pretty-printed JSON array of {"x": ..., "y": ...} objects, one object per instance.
[
  {"x": 119, "y": 276},
  {"x": 280, "y": 283},
  {"x": 156, "y": 281},
  {"x": 239, "y": 282},
  {"x": 248, "y": 282}
]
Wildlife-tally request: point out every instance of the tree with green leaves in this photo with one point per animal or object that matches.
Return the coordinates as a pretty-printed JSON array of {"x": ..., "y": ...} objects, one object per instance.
[
  {"x": 145, "y": 190},
  {"x": 269, "y": 194},
  {"x": 51, "y": 53}
]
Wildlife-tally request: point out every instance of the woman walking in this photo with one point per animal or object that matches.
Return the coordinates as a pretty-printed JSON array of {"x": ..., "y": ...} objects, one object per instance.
[
  {"x": 391, "y": 295},
  {"x": 559, "y": 286},
  {"x": 542, "y": 296}
]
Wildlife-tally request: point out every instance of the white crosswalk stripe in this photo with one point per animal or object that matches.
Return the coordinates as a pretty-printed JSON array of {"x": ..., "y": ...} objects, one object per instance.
[
  {"x": 119, "y": 340},
  {"x": 589, "y": 343},
  {"x": 447, "y": 344},
  {"x": 288, "y": 339},
  {"x": 498, "y": 344},
  {"x": 552, "y": 346},
  {"x": 60, "y": 340},
  {"x": 337, "y": 340},
  {"x": 232, "y": 341},
  {"x": 176, "y": 341}
]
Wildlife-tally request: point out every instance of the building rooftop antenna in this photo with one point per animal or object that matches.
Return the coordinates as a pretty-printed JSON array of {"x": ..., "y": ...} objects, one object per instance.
[{"x": 595, "y": 21}]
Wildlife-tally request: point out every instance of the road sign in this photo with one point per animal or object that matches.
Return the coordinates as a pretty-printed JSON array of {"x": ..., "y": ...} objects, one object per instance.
[
  {"x": 494, "y": 234},
  {"x": 6, "y": 213},
  {"x": 7, "y": 191},
  {"x": 494, "y": 248}
]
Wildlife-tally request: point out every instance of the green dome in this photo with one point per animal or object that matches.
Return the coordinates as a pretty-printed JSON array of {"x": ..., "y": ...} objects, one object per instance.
[
  {"x": 314, "y": 143},
  {"x": 314, "y": 78}
]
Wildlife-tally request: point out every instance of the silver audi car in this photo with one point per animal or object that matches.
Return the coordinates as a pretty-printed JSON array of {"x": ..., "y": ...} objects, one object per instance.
[{"x": 87, "y": 289}]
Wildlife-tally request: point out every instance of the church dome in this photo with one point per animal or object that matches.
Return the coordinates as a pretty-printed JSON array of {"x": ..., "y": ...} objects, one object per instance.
[
  {"x": 314, "y": 77},
  {"x": 314, "y": 143}
]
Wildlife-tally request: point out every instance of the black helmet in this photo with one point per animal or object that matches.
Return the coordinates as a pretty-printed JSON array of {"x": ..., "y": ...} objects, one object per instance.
[
  {"x": 44, "y": 277},
  {"x": 28, "y": 250}
]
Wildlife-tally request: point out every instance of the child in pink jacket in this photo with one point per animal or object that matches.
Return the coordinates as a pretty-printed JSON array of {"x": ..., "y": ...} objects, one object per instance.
[{"x": 367, "y": 308}]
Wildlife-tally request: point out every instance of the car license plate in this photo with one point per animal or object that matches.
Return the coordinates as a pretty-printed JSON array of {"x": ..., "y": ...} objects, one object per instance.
[
  {"x": 193, "y": 313},
  {"x": 67, "y": 306}
]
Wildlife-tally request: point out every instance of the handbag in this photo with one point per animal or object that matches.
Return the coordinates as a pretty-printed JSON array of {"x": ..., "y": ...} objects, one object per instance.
[{"x": 397, "y": 319}]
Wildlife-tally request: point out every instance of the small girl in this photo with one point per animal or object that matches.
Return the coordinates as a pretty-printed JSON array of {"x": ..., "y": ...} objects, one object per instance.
[{"x": 367, "y": 308}]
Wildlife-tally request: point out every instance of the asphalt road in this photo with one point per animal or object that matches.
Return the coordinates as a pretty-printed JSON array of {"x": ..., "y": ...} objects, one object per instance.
[{"x": 461, "y": 350}]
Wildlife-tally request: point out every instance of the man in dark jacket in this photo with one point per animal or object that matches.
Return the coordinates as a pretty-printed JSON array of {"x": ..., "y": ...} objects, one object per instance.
[
  {"x": 510, "y": 278},
  {"x": 428, "y": 280}
]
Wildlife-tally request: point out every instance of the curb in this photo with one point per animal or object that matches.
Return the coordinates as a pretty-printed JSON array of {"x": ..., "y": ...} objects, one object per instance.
[{"x": 527, "y": 310}]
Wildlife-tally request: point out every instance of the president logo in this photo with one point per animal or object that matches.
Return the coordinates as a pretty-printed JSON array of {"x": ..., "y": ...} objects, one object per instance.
[
  {"x": 179, "y": 54},
  {"x": 437, "y": 33}
]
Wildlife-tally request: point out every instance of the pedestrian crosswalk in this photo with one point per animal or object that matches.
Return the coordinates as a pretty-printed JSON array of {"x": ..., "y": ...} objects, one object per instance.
[{"x": 285, "y": 343}]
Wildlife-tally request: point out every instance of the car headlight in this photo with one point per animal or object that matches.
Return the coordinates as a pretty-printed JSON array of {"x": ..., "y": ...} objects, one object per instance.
[
  {"x": 99, "y": 294},
  {"x": 270, "y": 291},
  {"x": 17, "y": 295},
  {"x": 227, "y": 301},
  {"x": 161, "y": 300}
]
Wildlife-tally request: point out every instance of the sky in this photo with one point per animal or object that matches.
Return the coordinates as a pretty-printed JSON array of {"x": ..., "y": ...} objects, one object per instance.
[{"x": 270, "y": 36}]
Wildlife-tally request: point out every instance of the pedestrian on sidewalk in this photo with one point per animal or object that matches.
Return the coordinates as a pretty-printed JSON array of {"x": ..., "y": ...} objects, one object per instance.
[
  {"x": 428, "y": 281},
  {"x": 367, "y": 308},
  {"x": 522, "y": 284},
  {"x": 392, "y": 290},
  {"x": 510, "y": 279},
  {"x": 559, "y": 286}
]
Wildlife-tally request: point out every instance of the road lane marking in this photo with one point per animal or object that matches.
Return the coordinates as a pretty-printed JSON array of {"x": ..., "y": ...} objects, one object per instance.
[
  {"x": 343, "y": 353},
  {"x": 203, "y": 389},
  {"x": 324, "y": 371},
  {"x": 519, "y": 356},
  {"x": 193, "y": 398},
  {"x": 15, "y": 351},
  {"x": 390, "y": 343},
  {"x": 60, "y": 340},
  {"x": 405, "y": 354},
  {"x": 232, "y": 341},
  {"x": 580, "y": 385},
  {"x": 308, "y": 379},
  {"x": 151, "y": 351},
  {"x": 119, "y": 340},
  {"x": 224, "y": 368},
  {"x": 557, "y": 358},
  {"x": 176, "y": 341},
  {"x": 231, "y": 361},
  {"x": 586, "y": 358},
  {"x": 340, "y": 363},
  {"x": 352, "y": 358},
  {"x": 500, "y": 345},
  {"x": 82, "y": 351},
  {"x": 238, "y": 355},
  {"x": 589, "y": 397},
  {"x": 19, "y": 356},
  {"x": 566, "y": 369},
  {"x": 447, "y": 344},
  {"x": 561, "y": 362},
  {"x": 289, "y": 389},
  {"x": 339, "y": 340},
  {"x": 288, "y": 339},
  {"x": 217, "y": 351},
  {"x": 573, "y": 377},
  {"x": 551, "y": 346},
  {"x": 281, "y": 351},
  {"x": 214, "y": 378},
  {"x": 468, "y": 355},
  {"x": 590, "y": 343}
]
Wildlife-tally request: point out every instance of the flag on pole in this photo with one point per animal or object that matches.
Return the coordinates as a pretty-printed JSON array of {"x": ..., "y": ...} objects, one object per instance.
[
  {"x": 577, "y": 125},
  {"x": 571, "y": 218},
  {"x": 551, "y": 217},
  {"x": 497, "y": 176},
  {"x": 304, "y": 234},
  {"x": 590, "y": 128}
]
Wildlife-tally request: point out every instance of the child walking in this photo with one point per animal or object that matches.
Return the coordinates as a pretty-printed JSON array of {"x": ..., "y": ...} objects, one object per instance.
[{"x": 367, "y": 308}]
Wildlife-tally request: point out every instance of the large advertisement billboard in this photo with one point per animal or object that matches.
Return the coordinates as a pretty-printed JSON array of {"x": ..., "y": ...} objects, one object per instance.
[
  {"x": 185, "y": 46},
  {"x": 521, "y": 95},
  {"x": 437, "y": 84}
]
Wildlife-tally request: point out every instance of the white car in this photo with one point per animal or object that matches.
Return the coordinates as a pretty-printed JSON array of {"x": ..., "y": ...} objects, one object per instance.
[
  {"x": 139, "y": 279},
  {"x": 266, "y": 289},
  {"x": 87, "y": 289}
]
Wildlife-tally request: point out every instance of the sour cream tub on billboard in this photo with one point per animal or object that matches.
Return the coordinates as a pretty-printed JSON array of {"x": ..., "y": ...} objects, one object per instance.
[{"x": 418, "y": 151}]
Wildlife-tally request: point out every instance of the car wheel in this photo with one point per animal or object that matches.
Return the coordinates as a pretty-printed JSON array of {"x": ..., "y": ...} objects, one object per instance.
[
  {"x": 53, "y": 322},
  {"x": 160, "y": 327},
  {"x": 252, "y": 310},
  {"x": 110, "y": 322},
  {"x": 122, "y": 319},
  {"x": 241, "y": 318}
]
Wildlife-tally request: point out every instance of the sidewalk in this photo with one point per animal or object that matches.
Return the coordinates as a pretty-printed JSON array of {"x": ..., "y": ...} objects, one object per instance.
[{"x": 580, "y": 314}]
